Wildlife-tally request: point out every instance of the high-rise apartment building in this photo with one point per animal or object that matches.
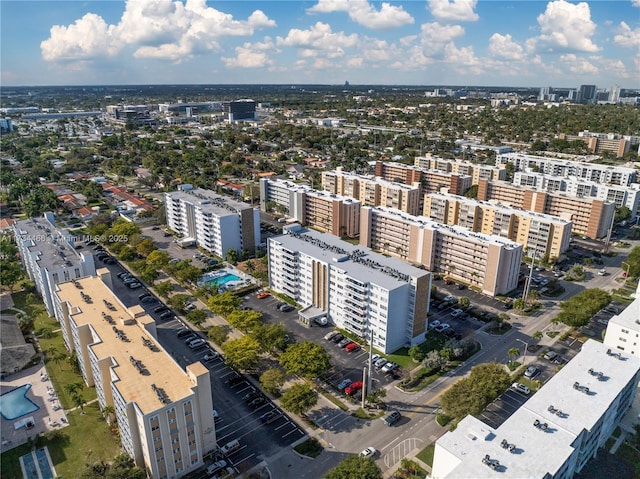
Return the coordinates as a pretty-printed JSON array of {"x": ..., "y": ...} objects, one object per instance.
[
  {"x": 556, "y": 432},
  {"x": 488, "y": 262},
  {"x": 372, "y": 190},
  {"x": 476, "y": 171},
  {"x": 163, "y": 412},
  {"x": 363, "y": 292},
  {"x": 617, "y": 175},
  {"x": 239, "y": 110},
  {"x": 49, "y": 256},
  {"x": 587, "y": 94},
  {"x": 430, "y": 181},
  {"x": 623, "y": 330},
  {"x": 547, "y": 235},
  {"x": 214, "y": 222},
  {"x": 329, "y": 212}
]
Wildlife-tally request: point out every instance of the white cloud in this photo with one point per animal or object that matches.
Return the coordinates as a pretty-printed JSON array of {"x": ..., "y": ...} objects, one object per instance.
[
  {"x": 635, "y": 3},
  {"x": 155, "y": 28},
  {"x": 454, "y": 10},
  {"x": 365, "y": 14},
  {"x": 627, "y": 37},
  {"x": 435, "y": 37},
  {"x": 318, "y": 41},
  {"x": 577, "y": 65},
  {"x": 253, "y": 55},
  {"x": 86, "y": 38},
  {"x": 565, "y": 27},
  {"x": 503, "y": 47}
]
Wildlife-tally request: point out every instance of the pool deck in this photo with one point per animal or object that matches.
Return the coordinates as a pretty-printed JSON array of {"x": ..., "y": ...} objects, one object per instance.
[{"x": 46, "y": 418}]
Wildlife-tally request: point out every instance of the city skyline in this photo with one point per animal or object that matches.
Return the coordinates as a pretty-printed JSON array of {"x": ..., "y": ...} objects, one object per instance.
[{"x": 433, "y": 42}]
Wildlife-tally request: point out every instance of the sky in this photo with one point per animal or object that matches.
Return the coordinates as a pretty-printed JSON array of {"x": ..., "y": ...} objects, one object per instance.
[{"x": 411, "y": 42}]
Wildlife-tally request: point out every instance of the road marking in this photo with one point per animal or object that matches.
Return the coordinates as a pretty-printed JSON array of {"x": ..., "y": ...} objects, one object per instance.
[{"x": 384, "y": 447}]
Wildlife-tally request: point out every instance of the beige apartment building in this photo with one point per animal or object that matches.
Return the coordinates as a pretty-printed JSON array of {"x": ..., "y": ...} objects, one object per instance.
[
  {"x": 373, "y": 191},
  {"x": 589, "y": 216},
  {"x": 162, "y": 411},
  {"x": 547, "y": 235},
  {"x": 475, "y": 171},
  {"x": 430, "y": 181},
  {"x": 489, "y": 262}
]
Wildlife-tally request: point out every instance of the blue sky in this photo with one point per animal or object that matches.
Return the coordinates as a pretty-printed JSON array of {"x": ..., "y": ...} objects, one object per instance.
[{"x": 427, "y": 42}]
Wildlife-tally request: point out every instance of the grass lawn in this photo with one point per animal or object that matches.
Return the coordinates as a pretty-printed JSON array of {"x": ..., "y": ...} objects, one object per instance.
[
  {"x": 311, "y": 447},
  {"x": 86, "y": 439},
  {"x": 426, "y": 455}
]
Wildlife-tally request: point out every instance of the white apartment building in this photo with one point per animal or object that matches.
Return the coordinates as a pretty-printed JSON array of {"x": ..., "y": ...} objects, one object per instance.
[
  {"x": 623, "y": 330},
  {"x": 286, "y": 194},
  {"x": 358, "y": 290},
  {"x": 488, "y": 262},
  {"x": 372, "y": 190},
  {"x": 556, "y": 432},
  {"x": 162, "y": 411},
  {"x": 216, "y": 223},
  {"x": 617, "y": 175},
  {"x": 620, "y": 195},
  {"x": 49, "y": 256},
  {"x": 547, "y": 235},
  {"x": 476, "y": 171}
]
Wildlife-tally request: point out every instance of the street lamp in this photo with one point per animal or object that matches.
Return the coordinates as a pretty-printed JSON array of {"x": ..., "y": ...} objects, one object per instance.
[{"x": 526, "y": 345}]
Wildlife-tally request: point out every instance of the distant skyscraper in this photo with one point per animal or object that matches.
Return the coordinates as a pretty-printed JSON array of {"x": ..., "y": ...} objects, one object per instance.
[
  {"x": 239, "y": 110},
  {"x": 544, "y": 93},
  {"x": 587, "y": 93},
  {"x": 614, "y": 94}
]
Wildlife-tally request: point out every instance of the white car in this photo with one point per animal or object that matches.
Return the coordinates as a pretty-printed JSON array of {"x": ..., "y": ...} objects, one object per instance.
[
  {"x": 433, "y": 324},
  {"x": 450, "y": 299},
  {"x": 456, "y": 312},
  {"x": 602, "y": 272},
  {"x": 390, "y": 366},
  {"x": 521, "y": 388},
  {"x": 368, "y": 452},
  {"x": 442, "y": 327}
]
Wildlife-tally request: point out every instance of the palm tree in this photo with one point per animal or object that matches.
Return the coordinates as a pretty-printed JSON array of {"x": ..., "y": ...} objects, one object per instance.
[
  {"x": 513, "y": 353},
  {"x": 537, "y": 335},
  {"x": 108, "y": 412},
  {"x": 73, "y": 388}
]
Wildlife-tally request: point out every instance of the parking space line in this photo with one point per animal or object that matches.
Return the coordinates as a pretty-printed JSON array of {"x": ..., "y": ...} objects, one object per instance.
[
  {"x": 291, "y": 432},
  {"x": 283, "y": 425}
]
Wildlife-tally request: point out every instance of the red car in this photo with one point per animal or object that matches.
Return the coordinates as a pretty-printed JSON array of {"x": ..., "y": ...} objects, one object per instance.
[
  {"x": 353, "y": 388},
  {"x": 352, "y": 347}
]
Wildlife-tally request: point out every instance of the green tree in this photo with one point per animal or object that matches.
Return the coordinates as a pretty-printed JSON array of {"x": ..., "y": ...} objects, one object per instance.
[
  {"x": 145, "y": 247},
  {"x": 513, "y": 353},
  {"x": 179, "y": 301},
  {"x": 38, "y": 200},
  {"x": 10, "y": 273},
  {"x": 464, "y": 302},
  {"x": 622, "y": 213},
  {"x": 197, "y": 316},
  {"x": 271, "y": 337},
  {"x": 158, "y": 259},
  {"x": 537, "y": 335},
  {"x": 355, "y": 467},
  {"x": 417, "y": 353},
  {"x": 224, "y": 303},
  {"x": 578, "y": 310},
  {"x": 272, "y": 380},
  {"x": 472, "y": 394},
  {"x": 218, "y": 334},
  {"x": 306, "y": 359},
  {"x": 243, "y": 353},
  {"x": 299, "y": 398},
  {"x": 231, "y": 256},
  {"x": 164, "y": 288},
  {"x": 245, "y": 320}
]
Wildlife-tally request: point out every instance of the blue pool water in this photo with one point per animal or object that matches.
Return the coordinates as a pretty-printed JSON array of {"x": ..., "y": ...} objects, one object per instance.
[
  {"x": 220, "y": 280},
  {"x": 30, "y": 467},
  {"x": 15, "y": 403},
  {"x": 43, "y": 464}
]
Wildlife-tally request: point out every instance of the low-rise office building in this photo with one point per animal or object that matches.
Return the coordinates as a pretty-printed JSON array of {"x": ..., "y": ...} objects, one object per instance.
[
  {"x": 623, "y": 329},
  {"x": 366, "y": 293},
  {"x": 547, "y": 235},
  {"x": 163, "y": 412},
  {"x": 49, "y": 255},
  {"x": 476, "y": 171},
  {"x": 589, "y": 216},
  {"x": 214, "y": 222},
  {"x": 556, "y": 432},
  {"x": 429, "y": 181},
  {"x": 489, "y": 262},
  {"x": 328, "y": 212},
  {"x": 617, "y": 175},
  {"x": 372, "y": 190}
]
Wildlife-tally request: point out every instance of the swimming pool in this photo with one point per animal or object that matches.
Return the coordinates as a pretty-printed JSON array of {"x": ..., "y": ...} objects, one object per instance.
[
  {"x": 224, "y": 279},
  {"x": 15, "y": 403}
]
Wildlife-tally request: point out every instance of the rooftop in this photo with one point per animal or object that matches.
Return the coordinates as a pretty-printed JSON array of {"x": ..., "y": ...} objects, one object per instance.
[
  {"x": 545, "y": 427},
  {"x": 357, "y": 261},
  {"x": 143, "y": 372},
  {"x": 209, "y": 201}
]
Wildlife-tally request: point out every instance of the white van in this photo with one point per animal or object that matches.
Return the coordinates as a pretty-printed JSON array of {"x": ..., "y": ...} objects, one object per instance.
[{"x": 230, "y": 447}]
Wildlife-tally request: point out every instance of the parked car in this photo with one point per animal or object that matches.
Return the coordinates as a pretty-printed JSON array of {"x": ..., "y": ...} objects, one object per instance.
[
  {"x": 337, "y": 338},
  {"x": 351, "y": 347},
  {"x": 448, "y": 281},
  {"x": 149, "y": 300},
  {"x": 166, "y": 315},
  {"x": 389, "y": 367},
  {"x": 460, "y": 286},
  {"x": 269, "y": 417},
  {"x": 109, "y": 260},
  {"x": 530, "y": 372},
  {"x": 250, "y": 396},
  {"x": 235, "y": 380},
  {"x": 392, "y": 418},
  {"x": 160, "y": 309},
  {"x": 344, "y": 383},
  {"x": 257, "y": 402},
  {"x": 344, "y": 342},
  {"x": 457, "y": 312},
  {"x": 183, "y": 332},
  {"x": 286, "y": 308},
  {"x": 450, "y": 299},
  {"x": 330, "y": 335},
  {"x": 134, "y": 285},
  {"x": 433, "y": 324},
  {"x": 442, "y": 327},
  {"x": 521, "y": 388},
  {"x": 602, "y": 272},
  {"x": 550, "y": 355},
  {"x": 210, "y": 356},
  {"x": 144, "y": 295},
  {"x": 374, "y": 358},
  {"x": 353, "y": 388},
  {"x": 262, "y": 295},
  {"x": 197, "y": 343},
  {"x": 216, "y": 466},
  {"x": 380, "y": 362}
]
